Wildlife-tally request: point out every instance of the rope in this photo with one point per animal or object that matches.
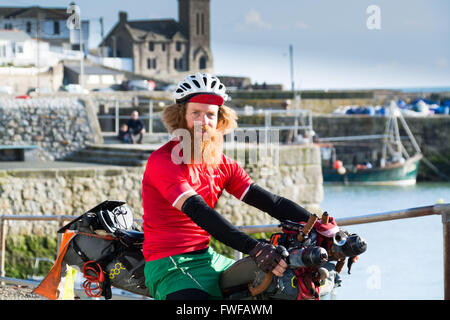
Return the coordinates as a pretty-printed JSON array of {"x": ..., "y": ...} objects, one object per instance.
[
  {"x": 92, "y": 283},
  {"x": 435, "y": 169}
]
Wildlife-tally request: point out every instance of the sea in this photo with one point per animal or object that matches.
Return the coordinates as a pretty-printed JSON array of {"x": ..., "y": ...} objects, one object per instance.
[{"x": 404, "y": 258}]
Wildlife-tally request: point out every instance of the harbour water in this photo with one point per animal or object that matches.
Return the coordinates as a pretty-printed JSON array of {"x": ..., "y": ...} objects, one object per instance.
[{"x": 404, "y": 258}]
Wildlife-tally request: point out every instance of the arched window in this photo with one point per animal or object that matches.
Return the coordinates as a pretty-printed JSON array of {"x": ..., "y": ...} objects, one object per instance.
[{"x": 202, "y": 62}]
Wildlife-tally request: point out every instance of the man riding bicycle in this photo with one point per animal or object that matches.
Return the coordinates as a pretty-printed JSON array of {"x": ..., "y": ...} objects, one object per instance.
[{"x": 182, "y": 183}]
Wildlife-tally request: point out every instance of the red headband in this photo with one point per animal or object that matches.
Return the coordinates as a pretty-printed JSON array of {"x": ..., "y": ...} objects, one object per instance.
[{"x": 208, "y": 99}]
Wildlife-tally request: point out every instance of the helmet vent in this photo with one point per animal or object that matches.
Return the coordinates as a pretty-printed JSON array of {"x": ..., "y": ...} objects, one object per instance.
[{"x": 199, "y": 84}]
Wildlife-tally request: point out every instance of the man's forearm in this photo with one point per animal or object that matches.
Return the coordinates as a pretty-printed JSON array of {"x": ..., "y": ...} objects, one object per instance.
[
  {"x": 216, "y": 225},
  {"x": 278, "y": 207}
]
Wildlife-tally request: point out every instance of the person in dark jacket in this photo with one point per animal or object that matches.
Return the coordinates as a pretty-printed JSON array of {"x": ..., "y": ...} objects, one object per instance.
[{"x": 136, "y": 127}]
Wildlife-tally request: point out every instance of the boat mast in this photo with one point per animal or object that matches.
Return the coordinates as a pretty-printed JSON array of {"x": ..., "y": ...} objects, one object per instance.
[
  {"x": 410, "y": 135},
  {"x": 392, "y": 140}
]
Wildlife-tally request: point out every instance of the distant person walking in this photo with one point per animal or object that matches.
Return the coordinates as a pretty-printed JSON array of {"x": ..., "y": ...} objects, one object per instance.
[{"x": 136, "y": 127}]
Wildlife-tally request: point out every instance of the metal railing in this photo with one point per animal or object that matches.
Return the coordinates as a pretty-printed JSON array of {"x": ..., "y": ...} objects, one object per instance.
[
  {"x": 302, "y": 119},
  {"x": 439, "y": 209}
]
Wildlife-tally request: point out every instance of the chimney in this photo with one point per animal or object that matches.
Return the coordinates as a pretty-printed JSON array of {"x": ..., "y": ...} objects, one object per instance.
[{"x": 123, "y": 17}]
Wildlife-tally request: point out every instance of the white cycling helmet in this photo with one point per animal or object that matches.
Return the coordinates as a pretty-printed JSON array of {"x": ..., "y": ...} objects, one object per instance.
[{"x": 203, "y": 88}]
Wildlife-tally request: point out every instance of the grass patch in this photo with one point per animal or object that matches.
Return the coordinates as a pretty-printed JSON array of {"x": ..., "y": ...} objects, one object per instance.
[{"x": 21, "y": 252}]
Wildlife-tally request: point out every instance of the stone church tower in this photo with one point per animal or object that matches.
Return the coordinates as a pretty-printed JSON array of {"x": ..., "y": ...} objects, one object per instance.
[
  {"x": 165, "y": 49},
  {"x": 194, "y": 22}
]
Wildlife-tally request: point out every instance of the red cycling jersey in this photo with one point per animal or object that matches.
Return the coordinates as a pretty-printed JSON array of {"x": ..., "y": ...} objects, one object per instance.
[{"x": 168, "y": 231}]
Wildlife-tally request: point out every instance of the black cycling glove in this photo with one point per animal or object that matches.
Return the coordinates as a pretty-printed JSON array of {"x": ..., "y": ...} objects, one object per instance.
[{"x": 267, "y": 256}]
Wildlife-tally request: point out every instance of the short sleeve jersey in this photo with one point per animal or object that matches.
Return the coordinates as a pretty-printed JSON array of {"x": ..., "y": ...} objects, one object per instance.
[{"x": 169, "y": 231}]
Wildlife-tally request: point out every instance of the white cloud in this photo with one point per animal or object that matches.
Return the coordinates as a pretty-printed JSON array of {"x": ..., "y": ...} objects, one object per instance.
[
  {"x": 301, "y": 25},
  {"x": 253, "y": 19}
]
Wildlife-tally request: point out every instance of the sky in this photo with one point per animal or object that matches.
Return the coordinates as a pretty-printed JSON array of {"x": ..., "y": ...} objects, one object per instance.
[{"x": 346, "y": 44}]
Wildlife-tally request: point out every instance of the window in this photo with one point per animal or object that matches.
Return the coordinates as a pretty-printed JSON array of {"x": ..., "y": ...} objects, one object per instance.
[
  {"x": 198, "y": 23},
  {"x": 151, "y": 63},
  {"x": 178, "y": 63},
  {"x": 178, "y": 46},
  {"x": 163, "y": 47},
  {"x": 93, "y": 79},
  {"x": 28, "y": 27},
  {"x": 151, "y": 46},
  {"x": 202, "y": 63},
  {"x": 19, "y": 48},
  {"x": 203, "y": 23},
  {"x": 56, "y": 27},
  {"x": 108, "y": 79}
]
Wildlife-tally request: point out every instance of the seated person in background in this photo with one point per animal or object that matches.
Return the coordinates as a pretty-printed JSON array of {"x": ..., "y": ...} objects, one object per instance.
[
  {"x": 123, "y": 133},
  {"x": 136, "y": 127}
]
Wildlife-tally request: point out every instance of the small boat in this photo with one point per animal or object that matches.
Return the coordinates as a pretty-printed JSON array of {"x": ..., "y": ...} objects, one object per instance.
[{"x": 394, "y": 166}]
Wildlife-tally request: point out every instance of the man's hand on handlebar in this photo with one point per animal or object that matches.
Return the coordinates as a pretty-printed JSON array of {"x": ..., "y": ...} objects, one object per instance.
[{"x": 270, "y": 258}]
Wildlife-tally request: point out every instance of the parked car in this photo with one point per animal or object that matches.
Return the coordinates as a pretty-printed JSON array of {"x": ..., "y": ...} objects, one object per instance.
[
  {"x": 44, "y": 90},
  {"x": 25, "y": 96},
  {"x": 139, "y": 85},
  {"x": 169, "y": 87},
  {"x": 74, "y": 88},
  {"x": 105, "y": 89}
]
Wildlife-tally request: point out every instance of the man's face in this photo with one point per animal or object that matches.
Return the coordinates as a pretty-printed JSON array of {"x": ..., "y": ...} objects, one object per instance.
[
  {"x": 134, "y": 115},
  {"x": 201, "y": 113},
  {"x": 206, "y": 142}
]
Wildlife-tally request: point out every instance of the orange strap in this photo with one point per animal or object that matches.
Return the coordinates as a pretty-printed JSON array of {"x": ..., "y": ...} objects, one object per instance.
[{"x": 49, "y": 286}]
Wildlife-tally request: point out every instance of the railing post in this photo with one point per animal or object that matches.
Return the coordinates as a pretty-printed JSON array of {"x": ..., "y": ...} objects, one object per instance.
[
  {"x": 59, "y": 236},
  {"x": 446, "y": 234},
  {"x": 2, "y": 245},
  {"x": 116, "y": 120},
  {"x": 150, "y": 116}
]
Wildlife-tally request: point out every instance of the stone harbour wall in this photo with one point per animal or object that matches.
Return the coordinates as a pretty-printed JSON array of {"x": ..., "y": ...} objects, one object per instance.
[
  {"x": 57, "y": 126},
  {"x": 65, "y": 192},
  {"x": 296, "y": 174}
]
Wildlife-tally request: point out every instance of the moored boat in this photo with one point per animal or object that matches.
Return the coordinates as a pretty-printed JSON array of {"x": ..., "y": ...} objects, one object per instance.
[{"x": 393, "y": 167}]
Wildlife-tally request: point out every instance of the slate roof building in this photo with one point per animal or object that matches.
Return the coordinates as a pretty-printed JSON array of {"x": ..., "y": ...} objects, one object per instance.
[
  {"x": 47, "y": 24},
  {"x": 165, "y": 49}
]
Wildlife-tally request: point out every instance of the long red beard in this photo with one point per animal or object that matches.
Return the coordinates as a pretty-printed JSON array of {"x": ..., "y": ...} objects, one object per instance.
[{"x": 204, "y": 149}]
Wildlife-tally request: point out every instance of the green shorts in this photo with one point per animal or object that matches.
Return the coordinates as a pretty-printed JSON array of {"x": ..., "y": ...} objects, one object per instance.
[{"x": 186, "y": 271}]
